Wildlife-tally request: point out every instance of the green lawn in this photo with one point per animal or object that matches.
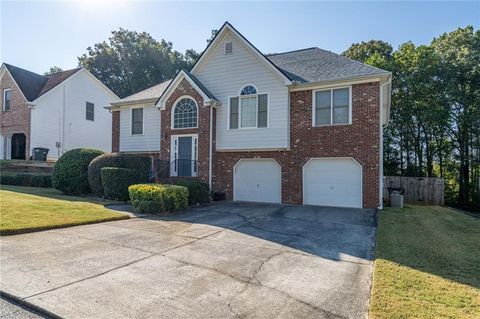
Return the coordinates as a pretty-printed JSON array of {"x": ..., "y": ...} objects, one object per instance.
[
  {"x": 427, "y": 264},
  {"x": 26, "y": 209}
]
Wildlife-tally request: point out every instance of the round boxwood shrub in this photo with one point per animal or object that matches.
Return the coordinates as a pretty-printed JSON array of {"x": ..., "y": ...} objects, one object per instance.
[
  {"x": 139, "y": 162},
  {"x": 157, "y": 198},
  {"x": 70, "y": 173},
  {"x": 198, "y": 192},
  {"x": 115, "y": 181}
]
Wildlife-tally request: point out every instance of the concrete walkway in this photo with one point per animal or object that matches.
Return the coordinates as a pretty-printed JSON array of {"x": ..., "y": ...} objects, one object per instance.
[{"x": 226, "y": 260}]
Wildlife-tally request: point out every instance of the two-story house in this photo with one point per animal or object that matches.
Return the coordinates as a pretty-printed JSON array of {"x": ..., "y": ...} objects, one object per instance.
[
  {"x": 60, "y": 111},
  {"x": 300, "y": 127}
]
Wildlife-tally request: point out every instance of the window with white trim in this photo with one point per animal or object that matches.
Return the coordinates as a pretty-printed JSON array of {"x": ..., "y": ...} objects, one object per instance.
[
  {"x": 332, "y": 106},
  {"x": 249, "y": 110},
  {"x": 137, "y": 121},
  {"x": 7, "y": 97},
  {"x": 185, "y": 114}
]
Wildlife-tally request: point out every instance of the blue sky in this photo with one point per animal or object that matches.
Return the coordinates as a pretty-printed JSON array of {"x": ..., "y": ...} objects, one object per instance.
[{"x": 37, "y": 35}]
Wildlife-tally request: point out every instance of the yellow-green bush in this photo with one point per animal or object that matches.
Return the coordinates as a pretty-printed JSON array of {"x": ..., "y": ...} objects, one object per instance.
[{"x": 157, "y": 198}]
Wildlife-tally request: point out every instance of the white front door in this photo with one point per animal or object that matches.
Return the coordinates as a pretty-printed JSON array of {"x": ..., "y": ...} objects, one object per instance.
[
  {"x": 184, "y": 155},
  {"x": 257, "y": 180},
  {"x": 332, "y": 182}
]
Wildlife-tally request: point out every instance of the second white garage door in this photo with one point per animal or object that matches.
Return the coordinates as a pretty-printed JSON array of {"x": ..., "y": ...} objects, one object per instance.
[
  {"x": 257, "y": 181},
  {"x": 332, "y": 182}
]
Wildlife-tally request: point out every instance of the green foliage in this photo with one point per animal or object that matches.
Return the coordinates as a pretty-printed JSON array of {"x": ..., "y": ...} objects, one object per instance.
[
  {"x": 434, "y": 127},
  {"x": 70, "y": 173},
  {"x": 157, "y": 198},
  {"x": 116, "y": 180},
  {"x": 141, "y": 163},
  {"x": 198, "y": 192},
  {"x": 131, "y": 61},
  {"x": 366, "y": 50},
  {"x": 26, "y": 179},
  {"x": 53, "y": 69}
]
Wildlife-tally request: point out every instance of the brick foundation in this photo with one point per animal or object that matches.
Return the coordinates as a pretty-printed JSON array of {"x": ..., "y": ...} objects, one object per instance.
[{"x": 115, "y": 131}]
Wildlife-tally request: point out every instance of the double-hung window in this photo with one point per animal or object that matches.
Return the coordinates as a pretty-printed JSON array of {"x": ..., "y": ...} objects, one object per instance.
[
  {"x": 7, "y": 96},
  {"x": 332, "y": 107},
  {"x": 249, "y": 110},
  {"x": 137, "y": 121}
]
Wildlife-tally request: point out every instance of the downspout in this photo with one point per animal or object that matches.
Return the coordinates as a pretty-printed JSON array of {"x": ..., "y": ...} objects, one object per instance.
[
  {"x": 380, "y": 185},
  {"x": 63, "y": 123},
  {"x": 31, "y": 107},
  {"x": 210, "y": 149}
]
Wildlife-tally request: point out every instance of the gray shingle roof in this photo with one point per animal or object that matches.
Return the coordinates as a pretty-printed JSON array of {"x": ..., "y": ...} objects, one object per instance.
[
  {"x": 200, "y": 85},
  {"x": 34, "y": 85},
  {"x": 316, "y": 65},
  {"x": 151, "y": 93}
]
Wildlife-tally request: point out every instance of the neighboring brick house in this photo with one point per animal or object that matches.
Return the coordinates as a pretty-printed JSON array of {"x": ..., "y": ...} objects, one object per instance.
[
  {"x": 301, "y": 127},
  {"x": 58, "y": 112}
]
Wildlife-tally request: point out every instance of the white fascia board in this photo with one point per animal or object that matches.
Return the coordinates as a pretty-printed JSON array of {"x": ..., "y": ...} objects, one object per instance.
[
  {"x": 173, "y": 85},
  {"x": 340, "y": 82}
]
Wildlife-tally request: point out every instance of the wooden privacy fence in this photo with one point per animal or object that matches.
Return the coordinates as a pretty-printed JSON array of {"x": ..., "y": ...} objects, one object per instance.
[{"x": 418, "y": 190}]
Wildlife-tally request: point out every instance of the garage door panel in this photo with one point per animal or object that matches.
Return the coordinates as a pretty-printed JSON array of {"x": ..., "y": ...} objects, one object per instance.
[
  {"x": 333, "y": 182},
  {"x": 257, "y": 181}
]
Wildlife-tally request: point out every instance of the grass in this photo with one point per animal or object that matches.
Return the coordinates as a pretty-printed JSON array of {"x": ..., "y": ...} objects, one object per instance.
[
  {"x": 427, "y": 264},
  {"x": 27, "y": 209}
]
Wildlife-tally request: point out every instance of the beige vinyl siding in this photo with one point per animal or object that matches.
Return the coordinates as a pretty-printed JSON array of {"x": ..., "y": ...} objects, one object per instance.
[
  {"x": 225, "y": 75},
  {"x": 149, "y": 141}
]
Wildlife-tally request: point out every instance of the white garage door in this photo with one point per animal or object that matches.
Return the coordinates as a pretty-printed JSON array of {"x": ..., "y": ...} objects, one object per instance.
[
  {"x": 332, "y": 182},
  {"x": 257, "y": 181}
]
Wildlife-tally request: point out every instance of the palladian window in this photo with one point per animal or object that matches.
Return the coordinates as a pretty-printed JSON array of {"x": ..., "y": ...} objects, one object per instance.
[
  {"x": 185, "y": 114},
  {"x": 249, "y": 110}
]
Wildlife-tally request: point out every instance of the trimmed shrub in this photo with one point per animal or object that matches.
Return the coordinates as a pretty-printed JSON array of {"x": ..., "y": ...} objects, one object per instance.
[
  {"x": 141, "y": 163},
  {"x": 198, "y": 192},
  {"x": 115, "y": 181},
  {"x": 157, "y": 198},
  {"x": 26, "y": 179},
  {"x": 70, "y": 173}
]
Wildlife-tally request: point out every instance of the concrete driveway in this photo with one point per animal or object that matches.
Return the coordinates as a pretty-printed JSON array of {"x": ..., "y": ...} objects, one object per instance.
[{"x": 227, "y": 260}]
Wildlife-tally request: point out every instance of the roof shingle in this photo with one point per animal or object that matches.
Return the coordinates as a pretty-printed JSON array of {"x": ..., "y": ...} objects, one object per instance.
[
  {"x": 34, "y": 85},
  {"x": 317, "y": 65}
]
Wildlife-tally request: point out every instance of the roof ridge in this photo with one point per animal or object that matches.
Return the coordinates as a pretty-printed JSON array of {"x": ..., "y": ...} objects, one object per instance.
[
  {"x": 64, "y": 71},
  {"x": 298, "y": 50}
]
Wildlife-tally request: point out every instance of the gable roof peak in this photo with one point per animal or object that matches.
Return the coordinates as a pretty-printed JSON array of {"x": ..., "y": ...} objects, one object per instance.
[{"x": 33, "y": 85}]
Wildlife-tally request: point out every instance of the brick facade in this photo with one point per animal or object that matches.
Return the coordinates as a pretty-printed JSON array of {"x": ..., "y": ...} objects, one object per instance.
[
  {"x": 17, "y": 119},
  {"x": 359, "y": 140},
  {"x": 203, "y": 129},
  {"x": 115, "y": 131}
]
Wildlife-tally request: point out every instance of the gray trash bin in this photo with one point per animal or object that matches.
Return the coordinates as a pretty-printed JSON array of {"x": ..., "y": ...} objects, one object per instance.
[{"x": 40, "y": 154}]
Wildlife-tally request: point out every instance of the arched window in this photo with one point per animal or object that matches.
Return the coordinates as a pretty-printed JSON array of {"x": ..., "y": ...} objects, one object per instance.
[
  {"x": 249, "y": 109},
  {"x": 248, "y": 90},
  {"x": 185, "y": 114}
]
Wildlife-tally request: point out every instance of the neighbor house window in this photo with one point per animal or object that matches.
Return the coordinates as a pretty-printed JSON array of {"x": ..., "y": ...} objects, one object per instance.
[
  {"x": 90, "y": 111},
  {"x": 7, "y": 96},
  {"x": 137, "y": 121},
  {"x": 250, "y": 109},
  {"x": 185, "y": 114},
  {"x": 332, "y": 106}
]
